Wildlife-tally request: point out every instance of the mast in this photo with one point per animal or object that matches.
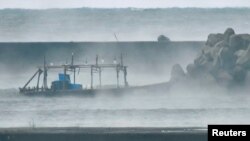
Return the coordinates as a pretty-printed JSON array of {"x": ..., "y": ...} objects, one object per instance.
[
  {"x": 125, "y": 76},
  {"x": 96, "y": 60},
  {"x": 64, "y": 81},
  {"x": 117, "y": 76},
  {"x": 121, "y": 60},
  {"x": 72, "y": 65},
  {"x": 100, "y": 77},
  {"x": 116, "y": 37},
  {"x": 38, "y": 79},
  {"x": 45, "y": 85},
  {"x": 91, "y": 73}
]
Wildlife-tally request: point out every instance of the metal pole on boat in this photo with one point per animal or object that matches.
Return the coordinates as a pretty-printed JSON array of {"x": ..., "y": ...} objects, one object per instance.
[
  {"x": 72, "y": 59},
  {"x": 74, "y": 75},
  {"x": 116, "y": 37},
  {"x": 117, "y": 76},
  {"x": 96, "y": 60},
  {"x": 24, "y": 87},
  {"x": 100, "y": 77},
  {"x": 44, "y": 74},
  {"x": 125, "y": 76},
  {"x": 91, "y": 77},
  {"x": 121, "y": 59},
  {"x": 38, "y": 79},
  {"x": 64, "y": 81},
  {"x": 72, "y": 65}
]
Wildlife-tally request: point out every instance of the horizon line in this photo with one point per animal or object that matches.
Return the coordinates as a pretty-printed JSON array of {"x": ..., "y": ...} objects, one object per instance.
[{"x": 139, "y": 8}]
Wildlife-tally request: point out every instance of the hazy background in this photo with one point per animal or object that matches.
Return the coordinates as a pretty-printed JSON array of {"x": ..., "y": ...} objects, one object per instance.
[
  {"x": 42, "y": 4},
  {"x": 87, "y": 24},
  {"x": 183, "y": 105}
]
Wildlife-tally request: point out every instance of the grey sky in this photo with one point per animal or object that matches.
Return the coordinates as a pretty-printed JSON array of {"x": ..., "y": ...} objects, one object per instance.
[{"x": 41, "y": 4}]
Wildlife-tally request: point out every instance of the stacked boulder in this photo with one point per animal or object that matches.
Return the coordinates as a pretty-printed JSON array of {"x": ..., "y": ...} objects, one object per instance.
[
  {"x": 163, "y": 38},
  {"x": 225, "y": 59}
]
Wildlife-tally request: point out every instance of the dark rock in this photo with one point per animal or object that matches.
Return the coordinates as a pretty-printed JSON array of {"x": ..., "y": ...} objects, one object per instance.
[
  {"x": 245, "y": 37},
  {"x": 193, "y": 70},
  {"x": 246, "y": 40},
  {"x": 177, "y": 73},
  {"x": 240, "y": 53},
  {"x": 236, "y": 43},
  {"x": 216, "y": 50},
  {"x": 190, "y": 68},
  {"x": 247, "y": 79},
  {"x": 244, "y": 59},
  {"x": 224, "y": 78},
  {"x": 239, "y": 74},
  {"x": 225, "y": 60},
  {"x": 228, "y": 33},
  {"x": 213, "y": 39},
  {"x": 199, "y": 61},
  {"x": 163, "y": 38},
  {"x": 208, "y": 78}
]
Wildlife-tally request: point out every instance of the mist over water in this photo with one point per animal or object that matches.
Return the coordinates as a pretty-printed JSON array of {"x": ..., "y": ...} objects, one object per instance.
[
  {"x": 180, "y": 107},
  {"x": 188, "y": 105},
  {"x": 147, "y": 64}
]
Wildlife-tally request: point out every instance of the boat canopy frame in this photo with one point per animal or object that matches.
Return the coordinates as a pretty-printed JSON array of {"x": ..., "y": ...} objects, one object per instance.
[{"x": 94, "y": 68}]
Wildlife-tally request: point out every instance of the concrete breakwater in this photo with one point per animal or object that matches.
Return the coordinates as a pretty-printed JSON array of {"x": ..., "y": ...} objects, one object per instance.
[
  {"x": 33, "y": 52},
  {"x": 142, "y": 57}
]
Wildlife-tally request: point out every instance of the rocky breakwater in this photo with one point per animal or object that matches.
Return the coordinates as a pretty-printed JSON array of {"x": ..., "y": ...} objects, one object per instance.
[{"x": 224, "y": 60}]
